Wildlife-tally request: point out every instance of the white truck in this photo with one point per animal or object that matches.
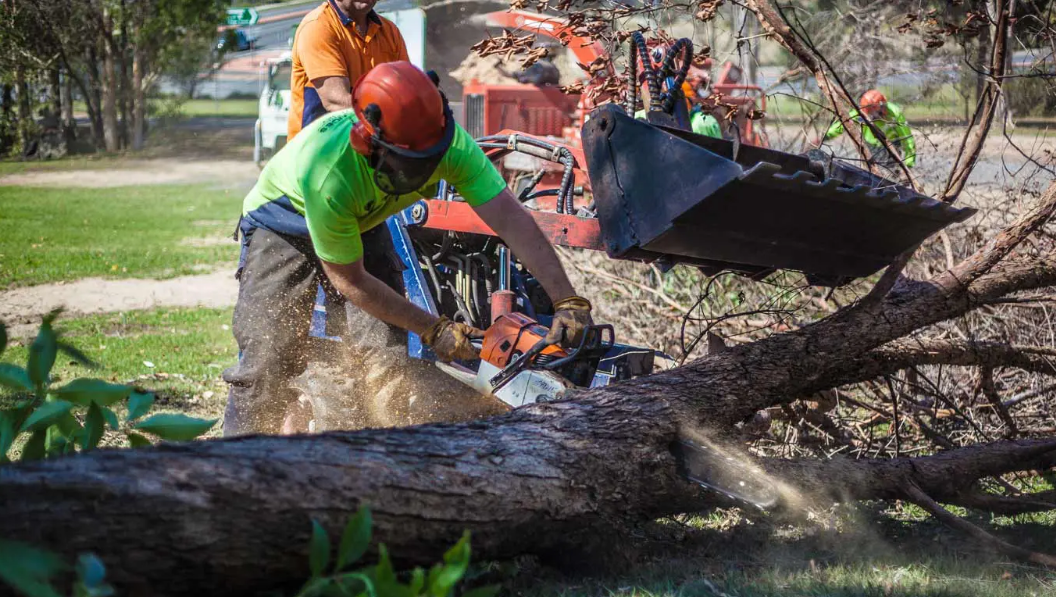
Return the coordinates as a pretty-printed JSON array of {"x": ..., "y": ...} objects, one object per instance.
[{"x": 269, "y": 132}]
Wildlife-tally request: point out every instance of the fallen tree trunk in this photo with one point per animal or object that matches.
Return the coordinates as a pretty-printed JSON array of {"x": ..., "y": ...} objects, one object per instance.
[
  {"x": 190, "y": 519},
  {"x": 232, "y": 516}
]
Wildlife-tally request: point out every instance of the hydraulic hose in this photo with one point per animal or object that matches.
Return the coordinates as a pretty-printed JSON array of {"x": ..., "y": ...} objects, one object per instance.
[
  {"x": 526, "y": 192},
  {"x": 651, "y": 79},
  {"x": 565, "y": 190},
  {"x": 639, "y": 53},
  {"x": 543, "y": 150},
  {"x": 686, "y": 47},
  {"x": 632, "y": 78}
]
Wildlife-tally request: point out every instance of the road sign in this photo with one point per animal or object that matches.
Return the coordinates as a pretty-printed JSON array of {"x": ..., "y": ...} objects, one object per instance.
[{"x": 242, "y": 16}]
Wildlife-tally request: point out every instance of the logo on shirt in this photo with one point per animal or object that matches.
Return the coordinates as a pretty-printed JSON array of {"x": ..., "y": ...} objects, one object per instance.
[{"x": 335, "y": 119}]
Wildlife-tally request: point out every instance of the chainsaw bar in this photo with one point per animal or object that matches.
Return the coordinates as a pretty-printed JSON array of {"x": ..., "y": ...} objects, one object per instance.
[{"x": 733, "y": 477}]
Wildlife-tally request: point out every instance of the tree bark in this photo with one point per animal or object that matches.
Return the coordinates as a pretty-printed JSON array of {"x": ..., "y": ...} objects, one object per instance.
[
  {"x": 110, "y": 90},
  {"x": 93, "y": 97},
  {"x": 234, "y": 515},
  {"x": 8, "y": 121},
  {"x": 25, "y": 113},
  {"x": 69, "y": 124},
  {"x": 139, "y": 72},
  {"x": 125, "y": 77}
]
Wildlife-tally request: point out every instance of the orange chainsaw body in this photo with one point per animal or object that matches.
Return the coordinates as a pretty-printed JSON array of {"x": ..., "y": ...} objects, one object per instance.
[{"x": 513, "y": 334}]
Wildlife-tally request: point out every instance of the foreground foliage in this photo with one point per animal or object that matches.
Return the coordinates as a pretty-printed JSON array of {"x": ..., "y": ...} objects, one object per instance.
[
  {"x": 47, "y": 415},
  {"x": 33, "y": 572}
]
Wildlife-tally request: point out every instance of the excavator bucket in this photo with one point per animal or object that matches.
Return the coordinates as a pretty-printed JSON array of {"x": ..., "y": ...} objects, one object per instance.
[{"x": 662, "y": 192}]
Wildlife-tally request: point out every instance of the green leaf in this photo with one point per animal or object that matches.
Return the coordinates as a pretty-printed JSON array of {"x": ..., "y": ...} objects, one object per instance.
[
  {"x": 52, "y": 316},
  {"x": 9, "y": 423},
  {"x": 66, "y": 425},
  {"x": 42, "y": 354},
  {"x": 175, "y": 427},
  {"x": 93, "y": 427},
  {"x": 90, "y": 570},
  {"x": 15, "y": 377},
  {"x": 46, "y": 415},
  {"x": 91, "y": 575},
  {"x": 136, "y": 440},
  {"x": 28, "y": 569},
  {"x": 456, "y": 560},
  {"x": 318, "y": 550},
  {"x": 138, "y": 405},
  {"x": 383, "y": 572},
  {"x": 417, "y": 581},
  {"x": 110, "y": 417},
  {"x": 485, "y": 591},
  {"x": 3, "y": 337},
  {"x": 354, "y": 583},
  {"x": 315, "y": 586},
  {"x": 85, "y": 391},
  {"x": 74, "y": 353},
  {"x": 34, "y": 448},
  {"x": 355, "y": 539}
]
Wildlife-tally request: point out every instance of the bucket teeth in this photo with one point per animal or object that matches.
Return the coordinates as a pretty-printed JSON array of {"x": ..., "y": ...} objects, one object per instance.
[{"x": 663, "y": 192}]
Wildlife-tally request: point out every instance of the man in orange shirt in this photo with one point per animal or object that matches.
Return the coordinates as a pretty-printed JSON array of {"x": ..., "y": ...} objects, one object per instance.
[{"x": 334, "y": 45}]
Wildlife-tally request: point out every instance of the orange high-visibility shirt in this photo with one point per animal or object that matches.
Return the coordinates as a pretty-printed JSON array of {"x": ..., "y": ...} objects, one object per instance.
[{"x": 327, "y": 44}]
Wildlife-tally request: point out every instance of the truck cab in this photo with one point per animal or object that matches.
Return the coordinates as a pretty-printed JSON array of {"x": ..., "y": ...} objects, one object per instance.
[{"x": 269, "y": 132}]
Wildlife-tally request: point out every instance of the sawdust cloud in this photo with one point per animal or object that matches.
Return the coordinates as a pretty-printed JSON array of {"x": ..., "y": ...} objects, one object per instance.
[
  {"x": 840, "y": 525},
  {"x": 369, "y": 388}
]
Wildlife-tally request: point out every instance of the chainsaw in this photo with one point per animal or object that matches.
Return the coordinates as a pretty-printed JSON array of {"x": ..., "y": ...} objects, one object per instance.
[{"x": 519, "y": 366}]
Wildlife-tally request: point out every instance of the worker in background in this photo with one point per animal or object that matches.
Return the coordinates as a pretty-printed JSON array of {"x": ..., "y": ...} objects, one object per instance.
[
  {"x": 888, "y": 117},
  {"x": 316, "y": 213},
  {"x": 334, "y": 45},
  {"x": 696, "y": 90}
]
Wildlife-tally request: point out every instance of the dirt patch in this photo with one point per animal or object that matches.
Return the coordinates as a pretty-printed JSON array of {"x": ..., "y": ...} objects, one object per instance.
[
  {"x": 143, "y": 172},
  {"x": 22, "y": 308}
]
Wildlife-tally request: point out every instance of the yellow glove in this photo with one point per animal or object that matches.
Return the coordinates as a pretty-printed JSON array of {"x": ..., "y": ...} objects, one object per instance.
[
  {"x": 451, "y": 340},
  {"x": 571, "y": 318}
]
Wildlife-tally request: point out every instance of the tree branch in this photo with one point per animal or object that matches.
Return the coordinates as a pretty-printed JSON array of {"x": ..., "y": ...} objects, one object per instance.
[
  {"x": 975, "y": 136},
  {"x": 914, "y": 494}
]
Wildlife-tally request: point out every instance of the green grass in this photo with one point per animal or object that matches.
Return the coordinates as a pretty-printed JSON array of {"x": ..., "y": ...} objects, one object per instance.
[
  {"x": 51, "y": 234},
  {"x": 188, "y": 348},
  {"x": 866, "y": 553},
  {"x": 228, "y": 108},
  {"x": 246, "y": 108}
]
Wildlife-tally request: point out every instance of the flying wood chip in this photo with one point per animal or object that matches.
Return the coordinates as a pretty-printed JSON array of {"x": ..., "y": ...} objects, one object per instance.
[
  {"x": 572, "y": 89},
  {"x": 706, "y": 9},
  {"x": 702, "y": 55}
]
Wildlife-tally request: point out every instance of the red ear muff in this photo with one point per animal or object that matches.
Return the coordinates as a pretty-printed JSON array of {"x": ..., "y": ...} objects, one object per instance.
[{"x": 360, "y": 138}]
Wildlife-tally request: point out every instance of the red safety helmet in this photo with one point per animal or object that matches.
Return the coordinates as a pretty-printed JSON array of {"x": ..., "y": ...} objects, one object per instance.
[
  {"x": 405, "y": 125},
  {"x": 872, "y": 102}
]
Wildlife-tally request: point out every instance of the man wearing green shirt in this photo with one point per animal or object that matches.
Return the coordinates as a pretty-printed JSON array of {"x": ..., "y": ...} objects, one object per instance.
[
  {"x": 888, "y": 117},
  {"x": 314, "y": 217}
]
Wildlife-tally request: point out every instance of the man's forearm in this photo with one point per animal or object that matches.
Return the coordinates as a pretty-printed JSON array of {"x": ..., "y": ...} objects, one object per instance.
[
  {"x": 336, "y": 102},
  {"x": 519, "y": 230},
  {"x": 377, "y": 299},
  {"x": 334, "y": 93}
]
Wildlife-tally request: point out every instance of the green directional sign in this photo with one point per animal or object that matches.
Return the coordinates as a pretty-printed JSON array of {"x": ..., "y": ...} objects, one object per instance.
[{"x": 242, "y": 16}]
